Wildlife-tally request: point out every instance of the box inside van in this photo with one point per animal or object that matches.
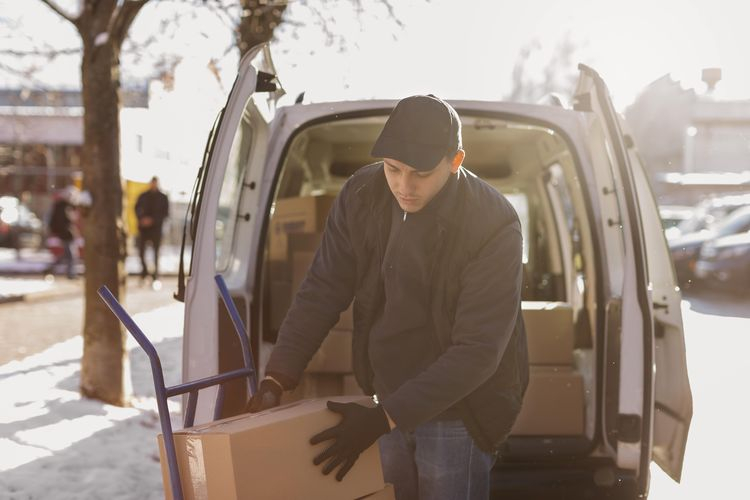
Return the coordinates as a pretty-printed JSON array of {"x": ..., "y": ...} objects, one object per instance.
[{"x": 608, "y": 389}]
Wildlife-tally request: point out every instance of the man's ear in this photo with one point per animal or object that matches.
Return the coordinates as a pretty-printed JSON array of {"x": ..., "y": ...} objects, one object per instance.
[{"x": 457, "y": 160}]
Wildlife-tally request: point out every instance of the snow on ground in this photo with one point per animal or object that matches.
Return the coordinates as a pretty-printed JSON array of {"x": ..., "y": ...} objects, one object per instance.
[{"x": 54, "y": 444}]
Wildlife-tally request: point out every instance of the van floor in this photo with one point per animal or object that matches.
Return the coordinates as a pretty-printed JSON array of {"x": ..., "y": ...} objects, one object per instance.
[{"x": 539, "y": 481}]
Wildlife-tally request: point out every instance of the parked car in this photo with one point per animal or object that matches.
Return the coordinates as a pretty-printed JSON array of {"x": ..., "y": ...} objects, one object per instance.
[
  {"x": 19, "y": 226},
  {"x": 603, "y": 257},
  {"x": 708, "y": 213},
  {"x": 725, "y": 261},
  {"x": 686, "y": 248}
]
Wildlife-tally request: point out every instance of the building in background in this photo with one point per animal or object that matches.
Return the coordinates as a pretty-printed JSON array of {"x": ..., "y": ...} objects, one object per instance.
[
  {"x": 41, "y": 138},
  {"x": 694, "y": 145}
]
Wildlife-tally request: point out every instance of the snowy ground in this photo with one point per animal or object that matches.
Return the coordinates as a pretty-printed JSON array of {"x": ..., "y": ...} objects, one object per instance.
[{"x": 53, "y": 444}]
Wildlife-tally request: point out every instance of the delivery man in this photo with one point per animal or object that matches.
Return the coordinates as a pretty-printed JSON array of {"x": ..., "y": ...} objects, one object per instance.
[{"x": 431, "y": 256}]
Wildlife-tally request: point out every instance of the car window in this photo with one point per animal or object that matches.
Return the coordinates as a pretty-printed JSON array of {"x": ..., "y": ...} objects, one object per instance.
[{"x": 226, "y": 215}]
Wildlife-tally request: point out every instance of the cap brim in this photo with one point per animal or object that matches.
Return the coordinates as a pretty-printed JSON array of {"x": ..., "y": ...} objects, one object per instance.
[{"x": 416, "y": 156}]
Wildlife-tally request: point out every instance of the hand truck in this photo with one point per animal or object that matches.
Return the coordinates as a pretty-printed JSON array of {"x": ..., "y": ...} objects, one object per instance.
[{"x": 192, "y": 388}]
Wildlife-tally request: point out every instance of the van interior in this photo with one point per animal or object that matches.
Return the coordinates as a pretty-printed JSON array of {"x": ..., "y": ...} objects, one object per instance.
[{"x": 530, "y": 164}]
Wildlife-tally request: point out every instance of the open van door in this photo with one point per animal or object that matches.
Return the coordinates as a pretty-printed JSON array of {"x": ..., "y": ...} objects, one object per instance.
[
  {"x": 673, "y": 399},
  {"x": 650, "y": 350},
  {"x": 238, "y": 139}
]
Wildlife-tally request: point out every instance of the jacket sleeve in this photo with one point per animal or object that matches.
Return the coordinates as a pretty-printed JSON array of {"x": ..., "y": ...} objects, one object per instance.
[
  {"x": 326, "y": 291},
  {"x": 490, "y": 289}
]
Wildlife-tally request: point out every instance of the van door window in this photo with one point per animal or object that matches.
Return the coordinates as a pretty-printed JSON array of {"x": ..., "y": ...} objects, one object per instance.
[{"x": 231, "y": 189}]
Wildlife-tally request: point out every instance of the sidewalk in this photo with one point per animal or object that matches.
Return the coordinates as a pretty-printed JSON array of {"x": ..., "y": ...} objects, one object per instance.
[
  {"x": 23, "y": 279},
  {"x": 56, "y": 444}
]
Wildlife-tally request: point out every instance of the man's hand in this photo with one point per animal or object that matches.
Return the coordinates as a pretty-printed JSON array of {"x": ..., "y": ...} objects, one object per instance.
[
  {"x": 267, "y": 396},
  {"x": 147, "y": 221},
  {"x": 359, "y": 428}
]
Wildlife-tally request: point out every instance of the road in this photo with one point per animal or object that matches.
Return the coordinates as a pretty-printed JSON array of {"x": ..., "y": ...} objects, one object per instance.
[
  {"x": 717, "y": 336},
  {"x": 32, "y": 325}
]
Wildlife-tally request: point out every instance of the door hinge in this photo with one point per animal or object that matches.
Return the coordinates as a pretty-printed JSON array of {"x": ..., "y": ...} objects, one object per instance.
[
  {"x": 265, "y": 82},
  {"x": 628, "y": 428}
]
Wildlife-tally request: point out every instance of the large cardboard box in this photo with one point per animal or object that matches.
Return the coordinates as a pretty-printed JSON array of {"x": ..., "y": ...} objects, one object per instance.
[
  {"x": 334, "y": 355},
  {"x": 549, "y": 331},
  {"x": 267, "y": 455},
  {"x": 553, "y": 404},
  {"x": 387, "y": 493},
  {"x": 304, "y": 214}
]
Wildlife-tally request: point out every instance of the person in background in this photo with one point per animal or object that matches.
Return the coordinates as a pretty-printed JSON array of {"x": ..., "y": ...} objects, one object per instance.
[
  {"x": 151, "y": 209},
  {"x": 61, "y": 226}
]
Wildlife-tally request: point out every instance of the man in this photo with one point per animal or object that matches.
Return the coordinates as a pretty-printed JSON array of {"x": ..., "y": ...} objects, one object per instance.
[
  {"x": 432, "y": 257},
  {"x": 61, "y": 225},
  {"x": 151, "y": 208}
]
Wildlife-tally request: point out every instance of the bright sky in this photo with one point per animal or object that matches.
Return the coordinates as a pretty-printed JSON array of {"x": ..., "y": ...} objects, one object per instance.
[{"x": 464, "y": 52}]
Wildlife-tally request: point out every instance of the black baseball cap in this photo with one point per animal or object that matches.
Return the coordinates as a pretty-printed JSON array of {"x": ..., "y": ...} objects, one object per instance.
[{"x": 421, "y": 130}]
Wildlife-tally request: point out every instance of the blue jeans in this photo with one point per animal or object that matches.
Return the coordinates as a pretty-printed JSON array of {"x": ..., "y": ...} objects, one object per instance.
[{"x": 438, "y": 461}]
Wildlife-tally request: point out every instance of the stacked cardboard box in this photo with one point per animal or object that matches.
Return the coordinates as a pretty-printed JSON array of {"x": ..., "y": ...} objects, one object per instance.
[
  {"x": 554, "y": 402},
  {"x": 267, "y": 455},
  {"x": 295, "y": 235},
  {"x": 296, "y": 225}
]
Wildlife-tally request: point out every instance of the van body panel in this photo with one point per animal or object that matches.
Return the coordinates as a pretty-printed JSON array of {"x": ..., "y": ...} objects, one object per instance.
[
  {"x": 625, "y": 349},
  {"x": 200, "y": 346},
  {"x": 613, "y": 289},
  {"x": 652, "y": 296},
  {"x": 673, "y": 401}
]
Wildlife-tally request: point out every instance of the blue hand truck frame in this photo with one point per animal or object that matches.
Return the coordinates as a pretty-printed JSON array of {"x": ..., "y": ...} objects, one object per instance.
[{"x": 191, "y": 388}]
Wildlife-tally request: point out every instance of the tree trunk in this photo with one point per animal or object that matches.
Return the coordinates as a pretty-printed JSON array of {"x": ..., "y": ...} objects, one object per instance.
[
  {"x": 102, "y": 374},
  {"x": 258, "y": 20}
]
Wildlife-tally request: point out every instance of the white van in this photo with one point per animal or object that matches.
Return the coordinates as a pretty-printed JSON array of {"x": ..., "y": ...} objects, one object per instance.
[{"x": 609, "y": 390}]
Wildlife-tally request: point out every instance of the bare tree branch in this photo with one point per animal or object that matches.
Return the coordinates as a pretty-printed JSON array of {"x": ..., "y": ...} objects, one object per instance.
[
  {"x": 41, "y": 53},
  {"x": 392, "y": 12},
  {"x": 52, "y": 5},
  {"x": 27, "y": 75},
  {"x": 123, "y": 18}
]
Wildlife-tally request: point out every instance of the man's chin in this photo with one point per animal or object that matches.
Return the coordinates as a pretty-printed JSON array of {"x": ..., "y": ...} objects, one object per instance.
[{"x": 410, "y": 207}]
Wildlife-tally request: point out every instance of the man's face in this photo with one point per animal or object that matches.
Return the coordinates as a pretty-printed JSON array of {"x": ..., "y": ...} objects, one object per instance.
[{"x": 414, "y": 189}]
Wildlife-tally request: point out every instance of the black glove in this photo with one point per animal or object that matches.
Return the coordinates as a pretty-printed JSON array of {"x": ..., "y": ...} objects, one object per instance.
[
  {"x": 359, "y": 428},
  {"x": 267, "y": 396}
]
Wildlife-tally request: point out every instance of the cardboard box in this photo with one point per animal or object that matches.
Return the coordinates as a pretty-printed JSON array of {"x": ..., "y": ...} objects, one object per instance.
[
  {"x": 346, "y": 319},
  {"x": 303, "y": 242},
  {"x": 304, "y": 214},
  {"x": 553, "y": 404},
  {"x": 549, "y": 331},
  {"x": 316, "y": 385},
  {"x": 267, "y": 455},
  {"x": 387, "y": 493},
  {"x": 351, "y": 387},
  {"x": 334, "y": 354}
]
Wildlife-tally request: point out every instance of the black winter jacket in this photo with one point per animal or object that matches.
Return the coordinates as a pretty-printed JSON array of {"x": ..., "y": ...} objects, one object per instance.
[{"x": 475, "y": 304}]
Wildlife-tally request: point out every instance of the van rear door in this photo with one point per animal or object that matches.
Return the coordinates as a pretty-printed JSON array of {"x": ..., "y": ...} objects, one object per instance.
[
  {"x": 673, "y": 399},
  {"x": 647, "y": 311},
  {"x": 240, "y": 136}
]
